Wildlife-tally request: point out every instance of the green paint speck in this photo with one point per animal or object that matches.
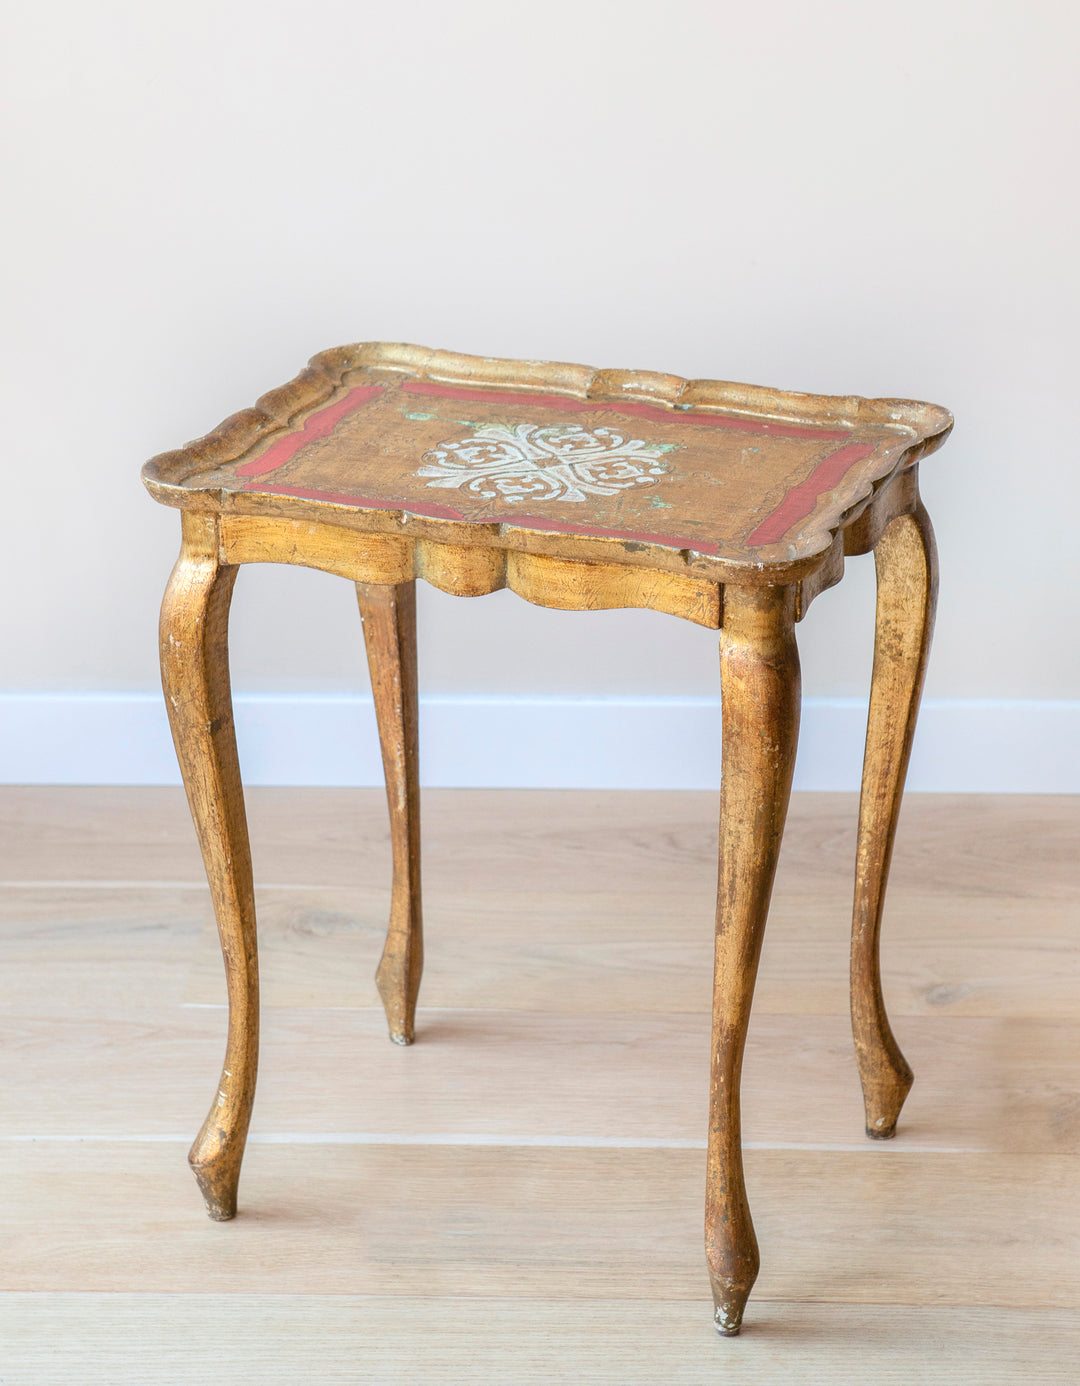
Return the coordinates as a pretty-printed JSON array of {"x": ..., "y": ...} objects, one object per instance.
[
  {"x": 658, "y": 504},
  {"x": 420, "y": 418}
]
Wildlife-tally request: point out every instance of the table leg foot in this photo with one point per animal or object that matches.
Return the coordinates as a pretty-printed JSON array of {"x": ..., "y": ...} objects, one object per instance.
[
  {"x": 195, "y": 677},
  {"x": 906, "y": 562},
  {"x": 393, "y": 984},
  {"x": 729, "y": 1301},
  {"x": 218, "y": 1180},
  {"x": 760, "y": 698},
  {"x": 389, "y": 616}
]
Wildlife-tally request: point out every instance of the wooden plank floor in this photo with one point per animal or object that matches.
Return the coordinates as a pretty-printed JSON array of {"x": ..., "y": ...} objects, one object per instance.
[{"x": 518, "y": 1197}]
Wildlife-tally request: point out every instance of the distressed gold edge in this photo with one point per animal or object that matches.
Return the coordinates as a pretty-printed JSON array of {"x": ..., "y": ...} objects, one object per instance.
[
  {"x": 588, "y": 382},
  {"x": 571, "y": 547},
  {"x": 575, "y": 547},
  {"x": 276, "y": 409}
]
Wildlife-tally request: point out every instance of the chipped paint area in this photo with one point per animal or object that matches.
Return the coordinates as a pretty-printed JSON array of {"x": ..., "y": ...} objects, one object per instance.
[{"x": 545, "y": 462}]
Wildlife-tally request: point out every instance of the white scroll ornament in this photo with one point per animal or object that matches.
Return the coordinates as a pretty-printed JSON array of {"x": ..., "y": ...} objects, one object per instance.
[{"x": 544, "y": 463}]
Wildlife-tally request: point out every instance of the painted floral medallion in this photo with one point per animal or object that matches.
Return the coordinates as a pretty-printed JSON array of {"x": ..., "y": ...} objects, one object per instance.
[{"x": 533, "y": 463}]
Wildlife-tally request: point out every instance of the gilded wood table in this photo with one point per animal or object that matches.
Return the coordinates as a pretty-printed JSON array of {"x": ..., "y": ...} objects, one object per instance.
[{"x": 728, "y": 505}]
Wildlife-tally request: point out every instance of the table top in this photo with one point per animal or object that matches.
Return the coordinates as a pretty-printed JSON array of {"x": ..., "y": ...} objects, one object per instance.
[{"x": 397, "y": 438}]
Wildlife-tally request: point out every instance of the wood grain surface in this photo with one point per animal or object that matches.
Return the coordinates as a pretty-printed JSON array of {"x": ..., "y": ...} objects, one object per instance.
[
  {"x": 1002, "y": 849},
  {"x": 1007, "y": 1085},
  {"x": 547, "y": 1222},
  {"x": 63, "y": 1339},
  {"x": 570, "y": 1247}
]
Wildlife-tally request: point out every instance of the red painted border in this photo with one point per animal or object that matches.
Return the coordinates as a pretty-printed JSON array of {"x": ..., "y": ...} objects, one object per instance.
[
  {"x": 796, "y": 505},
  {"x": 437, "y": 512},
  {"x": 446, "y": 512},
  {"x": 640, "y": 411},
  {"x": 317, "y": 425},
  {"x": 800, "y": 500},
  {"x": 564, "y": 527}
]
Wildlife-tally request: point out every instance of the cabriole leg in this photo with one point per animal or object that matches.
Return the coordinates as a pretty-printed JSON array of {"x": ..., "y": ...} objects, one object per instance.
[
  {"x": 195, "y": 676},
  {"x": 759, "y": 669},
  {"x": 906, "y": 561},
  {"x": 389, "y": 616}
]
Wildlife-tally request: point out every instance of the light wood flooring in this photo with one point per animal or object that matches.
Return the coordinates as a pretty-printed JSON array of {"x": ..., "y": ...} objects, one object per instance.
[{"x": 518, "y": 1197}]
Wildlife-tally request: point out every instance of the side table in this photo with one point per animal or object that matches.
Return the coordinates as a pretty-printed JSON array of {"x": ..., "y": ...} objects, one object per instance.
[{"x": 728, "y": 505}]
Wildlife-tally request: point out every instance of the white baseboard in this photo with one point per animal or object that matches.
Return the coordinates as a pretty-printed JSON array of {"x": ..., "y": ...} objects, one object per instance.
[{"x": 963, "y": 745}]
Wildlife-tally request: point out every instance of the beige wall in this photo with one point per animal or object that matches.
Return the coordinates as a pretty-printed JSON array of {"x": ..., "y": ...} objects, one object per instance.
[{"x": 877, "y": 198}]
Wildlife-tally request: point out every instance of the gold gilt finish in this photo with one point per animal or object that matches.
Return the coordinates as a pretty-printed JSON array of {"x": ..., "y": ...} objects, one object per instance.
[{"x": 728, "y": 505}]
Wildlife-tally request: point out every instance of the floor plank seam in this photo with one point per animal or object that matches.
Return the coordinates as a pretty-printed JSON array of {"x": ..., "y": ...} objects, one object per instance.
[
  {"x": 62, "y": 884},
  {"x": 544, "y": 1142}
]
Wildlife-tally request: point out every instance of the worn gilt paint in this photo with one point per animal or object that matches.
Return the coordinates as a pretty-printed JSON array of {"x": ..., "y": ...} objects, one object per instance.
[{"x": 728, "y": 505}]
